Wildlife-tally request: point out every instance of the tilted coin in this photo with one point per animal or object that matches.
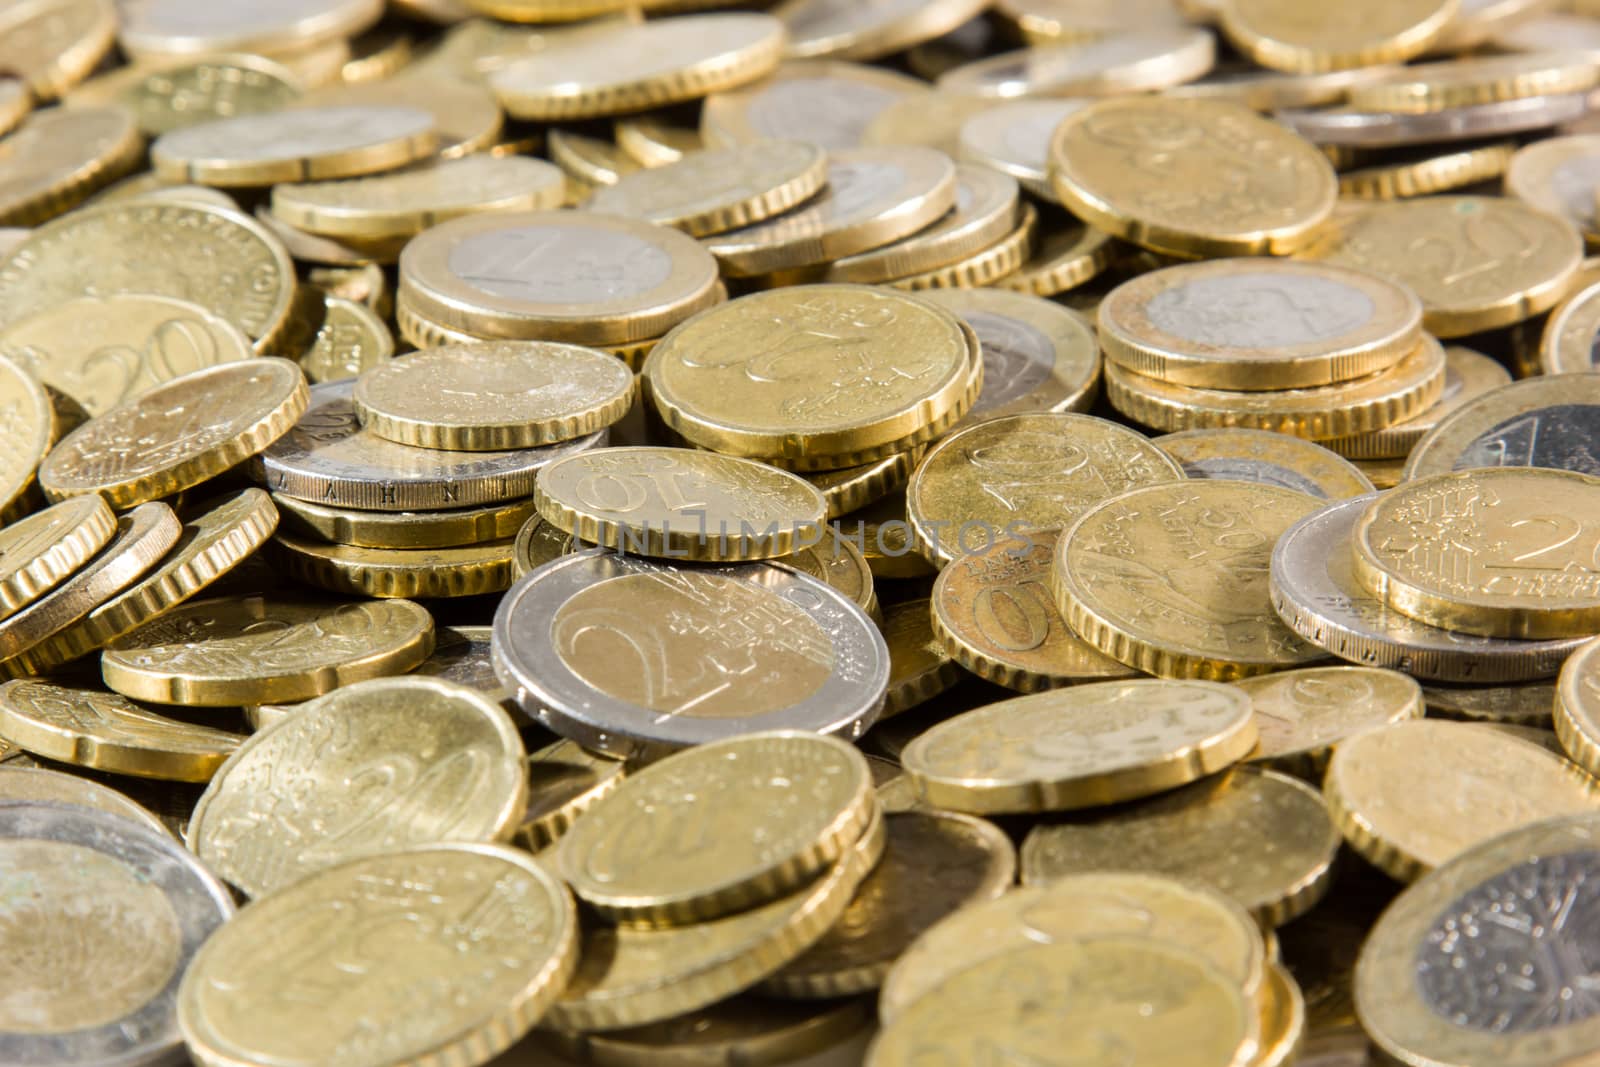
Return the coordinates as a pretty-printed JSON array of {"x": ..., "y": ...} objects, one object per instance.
[
  {"x": 1497, "y": 261},
  {"x": 680, "y": 503},
  {"x": 564, "y": 781},
  {"x": 1502, "y": 553},
  {"x": 557, "y": 276},
  {"x": 462, "y": 570},
  {"x": 919, "y": 667},
  {"x": 52, "y": 46},
  {"x": 1268, "y": 91},
  {"x": 40, "y": 551},
  {"x": 1412, "y": 796},
  {"x": 29, "y": 424},
  {"x": 488, "y": 929},
  {"x": 1282, "y": 1015},
  {"x": 1080, "y": 747},
  {"x": 655, "y": 141},
  {"x": 1037, "y": 355},
  {"x": 1559, "y": 175},
  {"x": 226, "y": 652},
  {"x": 589, "y": 162},
  {"x": 882, "y": 533},
  {"x": 1426, "y": 171},
  {"x": 1475, "y": 80},
  {"x": 847, "y": 31},
  {"x": 1480, "y": 20},
  {"x": 986, "y": 266},
  {"x": 310, "y": 248},
  {"x": 1172, "y": 579},
  {"x": 1285, "y": 35},
  {"x": 170, "y": 95},
  {"x": 744, "y": 1029},
  {"x": 1221, "y": 181},
  {"x": 934, "y": 864},
  {"x": 462, "y": 780},
  {"x": 1137, "y": 59},
  {"x": 1571, "y": 334},
  {"x": 186, "y": 27},
  {"x": 90, "y": 898},
  {"x": 993, "y": 611},
  {"x": 352, "y": 338},
  {"x": 1014, "y": 138},
  {"x": 1540, "y": 422},
  {"x": 828, "y": 103},
  {"x": 55, "y": 159},
  {"x": 1527, "y": 703},
  {"x": 466, "y": 116},
  {"x": 1259, "y": 837},
  {"x": 404, "y": 529},
  {"x": 1431, "y": 987},
  {"x": 328, "y": 458},
  {"x": 1373, "y": 129},
  {"x": 537, "y": 543},
  {"x": 1243, "y": 455},
  {"x": 1043, "y": 21},
  {"x": 842, "y": 565},
  {"x": 1467, "y": 376},
  {"x": 1301, "y": 715},
  {"x": 178, "y": 434},
  {"x": 1577, "y": 707},
  {"x": 35, "y": 785},
  {"x": 1258, "y": 324}
]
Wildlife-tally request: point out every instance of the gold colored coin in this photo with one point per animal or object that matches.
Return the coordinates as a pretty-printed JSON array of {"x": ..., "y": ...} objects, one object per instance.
[
  {"x": 1558, "y": 176},
  {"x": 28, "y": 425},
  {"x": 466, "y": 116},
  {"x": 885, "y": 537},
  {"x": 680, "y": 503},
  {"x": 1258, "y": 325},
  {"x": 1572, "y": 334},
  {"x": 746, "y": 1030},
  {"x": 1541, "y": 422},
  {"x": 1301, "y": 715},
  {"x": 1475, "y": 80},
  {"x": 1287, "y": 35},
  {"x": 1577, "y": 707},
  {"x": 654, "y": 141},
  {"x": 1259, "y": 837},
  {"x": 261, "y": 829},
  {"x": 38, "y": 552},
  {"x": 843, "y": 30},
  {"x": 1282, "y": 1019},
  {"x": 537, "y": 543},
  {"x": 564, "y": 781},
  {"x": 1168, "y": 1005},
  {"x": 841, "y": 564},
  {"x": 466, "y": 570},
  {"x": 1084, "y": 746},
  {"x": 630, "y": 67},
  {"x": 828, "y": 103},
  {"x": 246, "y": 995},
  {"x": 1527, "y": 703},
  {"x": 782, "y": 808},
  {"x": 1045, "y": 21},
  {"x": 711, "y": 192},
  {"x": 1063, "y": 260},
  {"x": 588, "y": 162},
  {"x": 352, "y": 338},
  {"x": 985, "y": 212},
  {"x": 919, "y": 667},
  {"x": 928, "y": 120},
  {"x": 1401, "y": 794},
  {"x": 1500, "y": 553},
  {"x": 178, "y": 434},
  {"x": 1432, "y": 173},
  {"x": 52, "y": 45},
  {"x": 92, "y": 728},
  {"x": 226, "y": 652},
  {"x": 57, "y": 158},
  {"x": 1172, "y": 579},
  {"x": 170, "y": 95},
  {"x": 1233, "y": 184},
  {"x": 854, "y": 374},
  {"x": 1359, "y": 406},
  {"x": 1142, "y": 59},
  {"x": 1468, "y": 375},
  {"x": 158, "y": 28},
  {"x": 853, "y": 488},
  {"x": 1242, "y": 455},
  {"x": 934, "y": 864},
  {"x": 31, "y": 785},
  {"x": 1475, "y": 282},
  {"x": 1037, "y": 355},
  {"x": 403, "y": 529}
]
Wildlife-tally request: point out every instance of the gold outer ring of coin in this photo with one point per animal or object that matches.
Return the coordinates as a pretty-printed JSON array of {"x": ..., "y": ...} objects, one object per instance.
[
  {"x": 423, "y": 333},
  {"x": 1327, "y": 474},
  {"x": 553, "y": 806},
  {"x": 1436, "y": 174},
  {"x": 991, "y": 213},
  {"x": 44, "y": 548},
  {"x": 1468, "y": 375},
  {"x": 101, "y": 144},
  {"x": 1345, "y": 409},
  {"x": 983, "y": 268},
  {"x": 466, "y": 570},
  {"x": 849, "y": 489},
  {"x": 1479, "y": 420},
  {"x": 1482, "y": 80},
  {"x": 1255, "y": 37},
  {"x": 654, "y": 142},
  {"x": 403, "y": 529},
  {"x": 872, "y": 38},
  {"x": 1577, "y": 710}
]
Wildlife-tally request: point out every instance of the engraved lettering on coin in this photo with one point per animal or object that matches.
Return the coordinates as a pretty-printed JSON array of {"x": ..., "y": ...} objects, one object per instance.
[
  {"x": 1266, "y": 310},
  {"x": 1563, "y": 436},
  {"x": 561, "y": 264}
]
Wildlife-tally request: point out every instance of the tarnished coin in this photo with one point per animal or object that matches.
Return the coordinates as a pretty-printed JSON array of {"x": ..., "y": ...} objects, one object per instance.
[
  {"x": 404, "y": 529},
  {"x": 1541, "y": 422},
  {"x": 710, "y": 653},
  {"x": 845, "y": 30},
  {"x": 1084, "y": 746},
  {"x": 827, "y": 103},
  {"x": 261, "y": 826},
  {"x": 1172, "y": 579},
  {"x": 154, "y": 28},
  {"x": 680, "y": 503},
  {"x": 463, "y": 570},
  {"x": 248, "y": 994},
  {"x": 919, "y": 667},
  {"x": 1494, "y": 552},
  {"x": 1577, "y": 707},
  {"x": 1467, "y": 376},
  {"x": 1023, "y": 473},
  {"x": 35, "y": 785},
  {"x": 1527, "y": 704},
  {"x": 1037, "y": 355},
  {"x": 1221, "y": 181},
  {"x": 40, "y": 551},
  {"x": 226, "y": 652},
  {"x": 1286, "y": 35},
  {"x": 1388, "y": 129},
  {"x": 1259, "y": 837},
  {"x": 1398, "y": 793},
  {"x": 55, "y": 159},
  {"x": 1301, "y": 715},
  {"x": 564, "y": 781},
  {"x": 1242, "y": 455},
  {"x": 714, "y": 191},
  {"x": 1137, "y": 59},
  {"x": 1014, "y": 138},
  {"x": 90, "y": 898}
]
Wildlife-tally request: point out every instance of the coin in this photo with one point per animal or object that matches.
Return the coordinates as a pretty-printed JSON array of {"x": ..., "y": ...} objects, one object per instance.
[
  {"x": 767, "y": 648},
  {"x": 1172, "y": 579},
  {"x": 853, "y": 488},
  {"x": 1476, "y": 80},
  {"x": 744, "y": 1029},
  {"x": 34, "y": 785},
  {"x": 1037, "y": 355},
  {"x": 1427, "y": 172},
  {"x": 56, "y": 158},
  {"x": 1467, "y": 376},
  {"x": 1419, "y": 1003},
  {"x": 1014, "y": 138},
  {"x": 465, "y": 570},
  {"x": 919, "y": 667},
  {"x": 186, "y": 27},
  {"x": 1558, "y": 175},
  {"x": 1064, "y": 259},
  {"x": 1570, "y": 334},
  {"x": 404, "y": 529},
  {"x": 352, "y": 338},
  {"x": 1270, "y": 91},
  {"x": 986, "y": 211},
  {"x": 172, "y": 94},
  {"x": 40, "y": 551},
  {"x": 846, "y": 31},
  {"x": 828, "y": 103},
  {"x": 711, "y": 192},
  {"x": 1135, "y": 59},
  {"x": 1280, "y": 842},
  {"x": 466, "y": 116},
  {"x": 557, "y": 276},
  {"x": 839, "y": 563},
  {"x": 328, "y": 458},
  {"x": 463, "y": 782},
  {"x": 1499, "y": 553},
  {"x": 488, "y": 927},
  {"x": 1577, "y": 707},
  {"x": 1284, "y": 35},
  {"x": 91, "y": 897},
  {"x": 1398, "y": 793},
  {"x": 1541, "y": 422},
  {"x": 28, "y": 423},
  {"x": 1338, "y": 126},
  {"x": 589, "y": 163},
  {"x": 655, "y": 141},
  {"x": 565, "y": 781},
  {"x": 1301, "y": 715},
  {"x": 1241, "y": 455},
  {"x": 225, "y": 652},
  {"x": 1529, "y": 703},
  {"x": 1246, "y": 186}
]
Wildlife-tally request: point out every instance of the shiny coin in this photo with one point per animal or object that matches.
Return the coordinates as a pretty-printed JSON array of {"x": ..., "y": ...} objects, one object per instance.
[
  {"x": 467, "y": 118},
  {"x": 1136, "y": 60},
  {"x": 841, "y": 564},
  {"x": 826, "y": 103},
  {"x": 1268, "y": 91},
  {"x": 1231, "y": 203},
  {"x": 1037, "y": 355},
  {"x": 1397, "y": 793},
  {"x": 227, "y": 652},
  {"x": 461, "y": 655},
  {"x": 1014, "y": 138},
  {"x": 1172, "y": 579},
  {"x": 988, "y": 265},
  {"x": 985, "y": 212},
  {"x": 1301, "y": 715},
  {"x": 171, "y": 95},
  {"x": 1467, "y": 376},
  {"x": 493, "y": 396},
  {"x": 187, "y": 27},
  {"x": 1279, "y": 852},
  {"x": 564, "y": 781},
  {"x": 1427, "y": 171},
  {"x": 919, "y": 667},
  {"x": 1268, "y": 458},
  {"x": 1572, "y": 334},
  {"x": 138, "y": 907},
  {"x": 589, "y": 163},
  {"x": 57, "y": 158},
  {"x": 467, "y": 570},
  {"x": 246, "y": 995},
  {"x": 848, "y": 31},
  {"x": 850, "y": 489},
  {"x": 1577, "y": 707},
  {"x": 1258, "y": 324},
  {"x": 352, "y": 338},
  {"x": 53, "y": 46},
  {"x": 38, "y": 552},
  {"x": 1387, "y": 129},
  {"x": 1502, "y": 553},
  {"x": 28, "y": 419},
  {"x": 1559, "y": 175},
  {"x": 655, "y": 141},
  {"x": 1285, "y": 35},
  {"x": 1086, "y": 746},
  {"x": 805, "y": 656},
  {"x": 1542, "y": 422},
  {"x": 1476, "y": 80},
  {"x": 404, "y": 529},
  {"x": 261, "y": 826},
  {"x": 710, "y": 192},
  {"x": 34, "y": 785}
]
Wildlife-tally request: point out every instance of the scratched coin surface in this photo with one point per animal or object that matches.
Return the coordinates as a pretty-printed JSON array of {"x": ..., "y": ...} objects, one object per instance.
[
  {"x": 1539, "y": 422},
  {"x": 1037, "y": 355},
  {"x": 1412, "y": 796},
  {"x": 102, "y": 915},
  {"x": 487, "y": 931},
  {"x": 1301, "y": 715},
  {"x": 719, "y": 828},
  {"x": 379, "y": 766},
  {"x": 1083, "y": 746},
  {"x": 1509, "y": 552},
  {"x": 1241, "y": 454}
]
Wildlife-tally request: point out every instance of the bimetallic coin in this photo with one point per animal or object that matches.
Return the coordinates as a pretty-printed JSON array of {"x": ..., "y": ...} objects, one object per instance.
[
  {"x": 1301, "y": 715},
  {"x": 1037, "y": 355},
  {"x": 1572, "y": 334},
  {"x": 1285, "y": 35},
  {"x": 1577, "y": 707},
  {"x": 1540, "y": 422},
  {"x": 20, "y": 783},
  {"x": 1241, "y": 455},
  {"x": 1386, "y": 129},
  {"x": 1467, "y": 376},
  {"x": 827, "y": 103},
  {"x": 1014, "y": 138},
  {"x": 294, "y": 145},
  {"x": 804, "y": 656},
  {"x": 1138, "y": 59},
  {"x": 90, "y": 898}
]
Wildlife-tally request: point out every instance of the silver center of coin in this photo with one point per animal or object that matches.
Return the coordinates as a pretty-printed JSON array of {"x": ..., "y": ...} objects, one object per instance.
[
  {"x": 1231, "y": 469},
  {"x": 1017, "y": 359},
  {"x": 561, "y": 264},
  {"x": 1565, "y": 437},
  {"x": 1265, "y": 310}
]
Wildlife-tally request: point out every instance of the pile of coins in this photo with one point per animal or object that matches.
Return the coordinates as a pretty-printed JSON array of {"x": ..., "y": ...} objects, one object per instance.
[{"x": 906, "y": 534}]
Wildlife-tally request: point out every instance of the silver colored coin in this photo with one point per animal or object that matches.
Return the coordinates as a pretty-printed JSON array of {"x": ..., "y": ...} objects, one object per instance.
[
  {"x": 634, "y": 658},
  {"x": 329, "y": 459},
  {"x": 1316, "y": 593},
  {"x": 1014, "y": 139},
  {"x": 1380, "y": 129},
  {"x": 35, "y": 785},
  {"x": 1538, "y": 422},
  {"x": 461, "y": 655},
  {"x": 95, "y": 902}
]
